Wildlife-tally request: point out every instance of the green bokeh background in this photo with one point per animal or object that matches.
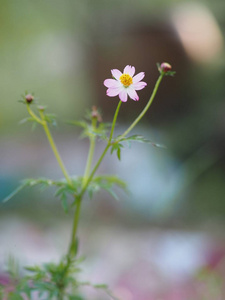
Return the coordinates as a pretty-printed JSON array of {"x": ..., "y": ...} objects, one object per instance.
[{"x": 62, "y": 51}]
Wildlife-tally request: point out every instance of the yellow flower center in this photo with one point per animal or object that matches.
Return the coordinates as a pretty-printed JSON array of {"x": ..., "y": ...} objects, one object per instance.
[{"x": 126, "y": 80}]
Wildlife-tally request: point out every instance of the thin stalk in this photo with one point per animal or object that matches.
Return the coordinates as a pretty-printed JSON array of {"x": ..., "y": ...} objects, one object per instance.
[
  {"x": 126, "y": 132},
  {"x": 85, "y": 179},
  {"x": 75, "y": 225},
  {"x": 61, "y": 294},
  {"x": 33, "y": 115},
  {"x": 105, "y": 150},
  {"x": 88, "y": 178},
  {"x": 145, "y": 109},
  {"x": 54, "y": 148},
  {"x": 114, "y": 120},
  {"x": 95, "y": 168},
  {"x": 90, "y": 153}
]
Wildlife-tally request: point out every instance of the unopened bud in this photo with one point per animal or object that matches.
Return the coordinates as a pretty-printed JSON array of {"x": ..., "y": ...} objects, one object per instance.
[
  {"x": 29, "y": 98},
  {"x": 165, "y": 67},
  {"x": 40, "y": 107},
  {"x": 96, "y": 114}
]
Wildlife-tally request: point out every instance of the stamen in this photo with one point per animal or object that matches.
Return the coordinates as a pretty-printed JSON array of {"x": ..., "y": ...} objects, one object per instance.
[{"x": 126, "y": 80}]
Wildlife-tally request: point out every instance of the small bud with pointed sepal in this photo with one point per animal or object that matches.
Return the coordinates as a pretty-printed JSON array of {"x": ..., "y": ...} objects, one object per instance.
[
  {"x": 95, "y": 114},
  {"x": 165, "y": 69},
  {"x": 29, "y": 98},
  {"x": 41, "y": 108}
]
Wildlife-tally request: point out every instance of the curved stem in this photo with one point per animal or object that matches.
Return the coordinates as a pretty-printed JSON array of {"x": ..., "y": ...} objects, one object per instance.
[
  {"x": 33, "y": 115},
  {"x": 54, "y": 148},
  {"x": 145, "y": 109}
]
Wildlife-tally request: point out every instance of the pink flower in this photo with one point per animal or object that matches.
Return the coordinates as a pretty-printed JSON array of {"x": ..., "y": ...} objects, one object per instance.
[{"x": 125, "y": 84}]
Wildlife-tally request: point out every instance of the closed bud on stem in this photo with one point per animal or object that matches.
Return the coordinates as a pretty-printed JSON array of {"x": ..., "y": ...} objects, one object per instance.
[
  {"x": 96, "y": 114},
  {"x": 41, "y": 108},
  {"x": 29, "y": 98},
  {"x": 165, "y": 67}
]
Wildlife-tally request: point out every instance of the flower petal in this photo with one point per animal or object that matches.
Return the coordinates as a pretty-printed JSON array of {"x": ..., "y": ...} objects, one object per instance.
[
  {"x": 112, "y": 83},
  {"x": 129, "y": 70},
  {"x": 116, "y": 73},
  {"x": 138, "y": 77},
  {"x": 132, "y": 93},
  {"x": 112, "y": 92},
  {"x": 123, "y": 95},
  {"x": 139, "y": 85}
]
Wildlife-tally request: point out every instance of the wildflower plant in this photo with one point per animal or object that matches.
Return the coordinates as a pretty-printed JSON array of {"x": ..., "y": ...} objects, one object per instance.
[{"x": 60, "y": 281}]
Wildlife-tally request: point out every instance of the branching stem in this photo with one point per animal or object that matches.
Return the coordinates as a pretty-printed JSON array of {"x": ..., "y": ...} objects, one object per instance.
[
  {"x": 88, "y": 177},
  {"x": 144, "y": 110}
]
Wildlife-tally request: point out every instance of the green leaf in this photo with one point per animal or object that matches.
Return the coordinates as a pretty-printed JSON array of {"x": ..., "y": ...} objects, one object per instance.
[
  {"x": 118, "y": 153},
  {"x": 63, "y": 186},
  {"x": 33, "y": 269},
  {"x": 117, "y": 147},
  {"x": 71, "y": 297},
  {"x": 82, "y": 124},
  {"x": 107, "y": 183},
  {"x": 140, "y": 139},
  {"x": 88, "y": 130},
  {"x": 51, "y": 119},
  {"x": 64, "y": 203},
  {"x": 17, "y": 190},
  {"x": 34, "y": 125},
  {"x": 29, "y": 119},
  {"x": 103, "y": 287},
  {"x": 101, "y": 130},
  {"x": 112, "y": 179},
  {"x": 167, "y": 73},
  {"x": 15, "y": 297},
  {"x": 111, "y": 192},
  {"x": 170, "y": 73}
]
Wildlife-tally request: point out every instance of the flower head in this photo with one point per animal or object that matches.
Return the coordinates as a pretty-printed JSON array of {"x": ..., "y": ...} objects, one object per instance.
[
  {"x": 29, "y": 98},
  {"x": 165, "y": 67},
  {"x": 125, "y": 84}
]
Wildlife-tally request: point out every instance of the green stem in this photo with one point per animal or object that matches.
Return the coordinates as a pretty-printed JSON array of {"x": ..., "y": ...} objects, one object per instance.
[
  {"x": 114, "y": 121},
  {"x": 61, "y": 294},
  {"x": 33, "y": 115},
  {"x": 95, "y": 168},
  {"x": 85, "y": 179},
  {"x": 145, "y": 109},
  {"x": 125, "y": 133},
  {"x": 54, "y": 148},
  {"x": 105, "y": 150},
  {"x": 79, "y": 200},
  {"x": 88, "y": 178},
  {"x": 75, "y": 225},
  {"x": 90, "y": 154}
]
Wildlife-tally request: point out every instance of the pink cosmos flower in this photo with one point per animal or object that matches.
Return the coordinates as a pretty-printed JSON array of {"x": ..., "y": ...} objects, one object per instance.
[{"x": 125, "y": 84}]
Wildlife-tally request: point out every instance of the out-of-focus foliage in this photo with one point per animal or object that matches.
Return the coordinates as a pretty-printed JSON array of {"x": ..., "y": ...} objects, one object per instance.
[{"x": 61, "y": 51}]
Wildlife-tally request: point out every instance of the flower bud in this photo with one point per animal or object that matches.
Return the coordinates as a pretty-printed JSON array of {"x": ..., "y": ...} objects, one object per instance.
[
  {"x": 96, "y": 114},
  {"x": 165, "y": 67},
  {"x": 29, "y": 98},
  {"x": 41, "y": 108}
]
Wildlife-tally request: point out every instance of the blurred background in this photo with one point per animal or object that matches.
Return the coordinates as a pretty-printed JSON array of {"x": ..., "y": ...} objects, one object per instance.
[{"x": 155, "y": 241}]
